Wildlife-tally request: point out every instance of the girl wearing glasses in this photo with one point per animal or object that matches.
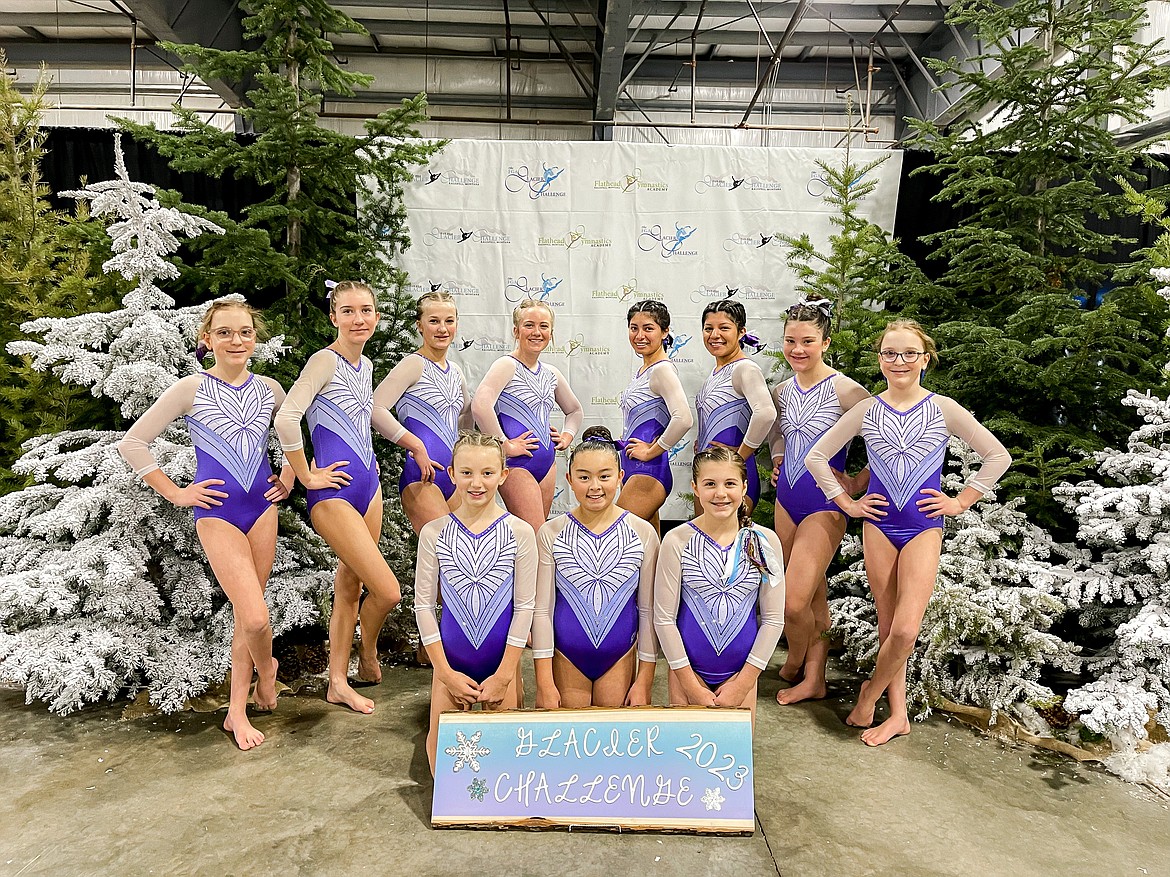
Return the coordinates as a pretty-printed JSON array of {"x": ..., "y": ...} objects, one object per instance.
[
  {"x": 906, "y": 429},
  {"x": 229, "y": 414},
  {"x": 810, "y": 527},
  {"x": 655, "y": 412}
]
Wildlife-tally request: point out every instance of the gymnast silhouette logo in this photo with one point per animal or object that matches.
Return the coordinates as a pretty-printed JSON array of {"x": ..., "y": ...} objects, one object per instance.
[
  {"x": 735, "y": 184},
  {"x": 668, "y": 244},
  {"x": 676, "y": 450},
  {"x": 519, "y": 288},
  {"x": 537, "y": 184},
  {"x": 464, "y": 343},
  {"x": 730, "y": 183},
  {"x": 434, "y": 175},
  {"x": 628, "y": 289},
  {"x": 765, "y": 239},
  {"x": 630, "y": 181},
  {"x": 574, "y": 345},
  {"x": 679, "y": 342},
  {"x": 574, "y": 237}
]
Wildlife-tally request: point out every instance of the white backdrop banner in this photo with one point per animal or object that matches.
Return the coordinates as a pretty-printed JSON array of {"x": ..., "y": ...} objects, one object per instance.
[{"x": 590, "y": 228}]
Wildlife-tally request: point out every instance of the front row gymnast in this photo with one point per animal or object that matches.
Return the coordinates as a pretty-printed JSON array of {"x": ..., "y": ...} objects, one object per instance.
[{"x": 595, "y": 589}]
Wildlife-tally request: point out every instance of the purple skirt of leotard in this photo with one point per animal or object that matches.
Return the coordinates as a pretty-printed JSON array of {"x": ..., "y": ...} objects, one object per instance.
[
  {"x": 713, "y": 667},
  {"x": 804, "y": 497},
  {"x": 437, "y": 450},
  {"x": 574, "y": 643},
  {"x": 902, "y": 525},
  {"x": 241, "y": 507},
  {"x": 328, "y": 448},
  {"x": 658, "y": 468},
  {"x": 464, "y": 657},
  {"x": 543, "y": 455}
]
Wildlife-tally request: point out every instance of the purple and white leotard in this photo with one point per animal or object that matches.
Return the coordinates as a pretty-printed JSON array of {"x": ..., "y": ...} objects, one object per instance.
[
  {"x": 432, "y": 403},
  {"x": 709, "y": 621},
  {"x": 735, "y": 408},
  {"x": 906, "y": 453},
  {"x": 594, "y": 593},
  {"x": 513, "y": 399},
  {"x": 806, "y": 415},
  {"x": 230, "y": 429},
  {"x": 655, "y": 411},
  {"x": 337, "y": 399},
  {"x": 486, "y": 583}
]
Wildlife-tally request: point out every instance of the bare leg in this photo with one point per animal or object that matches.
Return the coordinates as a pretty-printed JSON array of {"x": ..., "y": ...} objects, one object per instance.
[
  {"x": 575, "y": 687},
  {"x": 611, "y": 688},
  {"x": 816, "y": 542},
  {"x": 233, "y": 559},
  {"x": 354, "y": 539},
  {"x": 643, "y": 496},
  {"x": 374, "y": 609},
  {"x": 881, "y": 571},
  {"x": 423, "y": 503},
  {"x": 786, "y": 532},
  {"x": 524, "y": 498},
  {"x": 548, "y": 489},
  {"x": 441, "y": 702}
]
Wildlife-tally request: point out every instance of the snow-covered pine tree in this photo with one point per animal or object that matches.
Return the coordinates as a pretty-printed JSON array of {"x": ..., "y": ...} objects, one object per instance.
[
  {"x": 986, "y": 637},
  {"x": 103, "y": 586},
  {"x": 1124, "y": 603}
]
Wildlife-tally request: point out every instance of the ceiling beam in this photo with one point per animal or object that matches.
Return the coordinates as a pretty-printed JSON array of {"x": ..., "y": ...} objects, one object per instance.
[
  {"x": 215, "y": 24},
  {"x": 612, "y": 38}
]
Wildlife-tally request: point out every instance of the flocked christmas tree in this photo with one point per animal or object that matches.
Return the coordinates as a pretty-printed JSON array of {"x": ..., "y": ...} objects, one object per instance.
[
  {"x": 103, "y": 586},
  {"x": 44, "y": 271},
  {"x": 1027, "y": 166},
  {"x": 987, "y": 636}
]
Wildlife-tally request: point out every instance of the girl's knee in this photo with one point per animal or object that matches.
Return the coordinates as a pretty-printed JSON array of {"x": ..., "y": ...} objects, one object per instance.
[{"x": 253, "y": 620}]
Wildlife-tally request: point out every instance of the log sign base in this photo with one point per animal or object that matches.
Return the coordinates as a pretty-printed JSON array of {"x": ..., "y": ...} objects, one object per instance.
[{"x": 648, "y": 769}]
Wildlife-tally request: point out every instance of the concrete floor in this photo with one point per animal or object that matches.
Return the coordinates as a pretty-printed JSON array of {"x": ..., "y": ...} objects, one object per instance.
[{"x": 332, "y": 792}]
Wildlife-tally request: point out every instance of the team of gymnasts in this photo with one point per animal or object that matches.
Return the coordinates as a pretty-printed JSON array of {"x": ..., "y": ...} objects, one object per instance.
[{"x": 595, "y": 591}]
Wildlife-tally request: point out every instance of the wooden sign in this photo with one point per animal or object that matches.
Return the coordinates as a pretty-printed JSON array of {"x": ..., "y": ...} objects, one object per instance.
[{"x": 650, "y": 769}]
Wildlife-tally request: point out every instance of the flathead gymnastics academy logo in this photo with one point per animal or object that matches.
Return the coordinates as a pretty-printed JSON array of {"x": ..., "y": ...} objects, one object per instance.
[
  {"x": 576, "y": 238},
  {"x": 537, "y": 183},
  {"x": 669, "y": 244},
  {"x": 635, "y": 181}
]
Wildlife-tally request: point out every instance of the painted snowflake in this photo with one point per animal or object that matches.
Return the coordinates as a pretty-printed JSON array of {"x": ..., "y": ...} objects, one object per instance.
[
  {"x": 712, "y": 800},
  {"x": 478, "y": 789},
  {"x": 467, "y": 751}
]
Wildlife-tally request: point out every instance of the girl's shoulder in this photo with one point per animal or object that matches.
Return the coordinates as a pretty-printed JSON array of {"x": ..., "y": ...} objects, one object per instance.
[
  {"x": 520, "y": 527},
  {"x": 644, "y": 529}
]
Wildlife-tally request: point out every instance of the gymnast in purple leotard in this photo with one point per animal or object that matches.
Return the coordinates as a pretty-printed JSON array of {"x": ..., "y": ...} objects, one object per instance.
[
  {"x": 734, "y": 406},
  {"x": 810, "y": 527},
  {"x": 479, "y": 563},
  {"x": 906, "y": 429},
  {"x": 718, "y": 591},
  {"x": 335, "y": 394},
  {"x": 514, "y": 402},
  {"x": 229, "y": 414},
  {"x": 655, "y": 412},
  {"x": 594, "y": 591},
  {"x": 430, "y": 395}
]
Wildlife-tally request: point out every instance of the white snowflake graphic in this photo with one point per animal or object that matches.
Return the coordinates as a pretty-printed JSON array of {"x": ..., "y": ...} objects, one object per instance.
[
  {"x": 468, "y": 751},
  {"x": 712, "y": 800}
]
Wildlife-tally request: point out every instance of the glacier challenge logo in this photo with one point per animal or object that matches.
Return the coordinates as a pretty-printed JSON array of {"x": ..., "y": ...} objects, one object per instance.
[
  {"x": 819, "y": 185},
  {"x": 457, "y": 288},
  {"x": 537, "y": 183},
  {"x": 449, "y": 177},
  {"x": 669, "y": 244},
  {"x": 676, "y": 346},
  {"x": 732, "y": 183},
  {"x": 753, "y": 240},
  {"x": 460, "y": 235},
  {"x": 742, "y": 292},
  {"x": 516, "y": 289}
]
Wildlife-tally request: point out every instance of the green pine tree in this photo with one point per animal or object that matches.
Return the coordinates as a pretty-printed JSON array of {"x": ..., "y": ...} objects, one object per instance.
[
  {"x": 45, "y": 271},
  {"x": 1041, "y": 369},
  {"x": 308, "y": 229}
]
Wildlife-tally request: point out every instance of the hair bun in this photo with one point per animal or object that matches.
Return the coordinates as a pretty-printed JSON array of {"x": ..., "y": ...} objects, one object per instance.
[{"x": 598, "y": 434}]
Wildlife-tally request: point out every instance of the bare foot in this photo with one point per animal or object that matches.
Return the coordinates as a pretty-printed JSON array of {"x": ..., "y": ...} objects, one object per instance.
[
  {"x": 894, "y": 726},
  {"x": 369, "y": 668},
  {"x": 346, "y": 696},
  {"x": 789, "y": 675},
  {"x": 860, "y": 717},
  {"x": 808, "y": 689},
  {"x": 264, "y": 696},
  {"x": 247, "y": 737}
]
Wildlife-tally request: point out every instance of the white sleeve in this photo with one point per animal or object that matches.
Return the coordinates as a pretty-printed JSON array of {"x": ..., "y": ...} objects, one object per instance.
[
  {"x": 771, "y": 604},
  {"x": 523, "y": 582},
  {"x": 175, "y": 401},
  {"x": 314, "y": 377},
  {"x": 647, "y": 637},
  {"x": 392, "y": 388},
  {"x": 543, "y": 644},
  {"x": 426, "y": 582},
  {"x": 667, "y": 595},
  {"x": 664, "y": 382},
  {"x": 748, "y": 381}
]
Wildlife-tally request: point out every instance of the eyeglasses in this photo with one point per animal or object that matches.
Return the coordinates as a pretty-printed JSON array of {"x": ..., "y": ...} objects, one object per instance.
[
  {"x": 228, "y": 334},
  {"x": 908, "y": 356}
]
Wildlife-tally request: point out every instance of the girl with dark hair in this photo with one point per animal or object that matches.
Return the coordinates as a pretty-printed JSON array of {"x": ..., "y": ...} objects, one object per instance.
[
  {"x": 593, "y": 633},
  {"x": 655, "y": 412}
]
